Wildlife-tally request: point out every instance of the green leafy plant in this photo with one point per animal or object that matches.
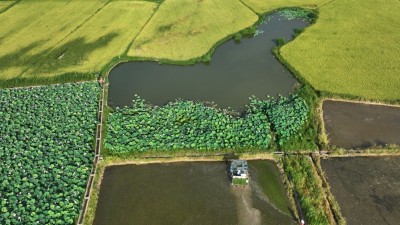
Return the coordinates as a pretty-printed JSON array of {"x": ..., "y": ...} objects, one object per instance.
[{"x": 46, "y": 151}]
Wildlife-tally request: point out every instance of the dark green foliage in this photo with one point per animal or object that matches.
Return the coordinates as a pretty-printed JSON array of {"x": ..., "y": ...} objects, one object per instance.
[
  {"x": 190, "y": 125},
  {"x": 280, "y": 41},
  {"x": 46, "y": 141},
  {"x": 300, "y": 172},
  {"x": 183, "y": 125},
  {"x": 239, "y": 181},
  {"x": 238, "y": 37},
  {"x": 287, "y": 115}
]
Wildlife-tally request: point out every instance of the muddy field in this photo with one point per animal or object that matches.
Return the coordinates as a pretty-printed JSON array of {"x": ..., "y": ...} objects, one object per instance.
[
  {"x": 191, "y": 193},
  {"x": 355, "y": 125},
  {"x": 366, "y": 188}
]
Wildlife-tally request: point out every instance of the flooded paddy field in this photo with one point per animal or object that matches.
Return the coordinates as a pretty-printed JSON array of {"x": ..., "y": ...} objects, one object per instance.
[
  {"x": 191, "y": 193},
  {"x": 366, "y": 188},
  {"x": 356, "y": 125},
  {"x": 236, "y": 72}
]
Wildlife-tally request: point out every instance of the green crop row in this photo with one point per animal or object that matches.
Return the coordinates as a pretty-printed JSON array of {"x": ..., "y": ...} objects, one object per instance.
[
  {"x": 192, "y": 125},
  {"x": 46, "y": 150},
  {"x": 299, "y": 170}
]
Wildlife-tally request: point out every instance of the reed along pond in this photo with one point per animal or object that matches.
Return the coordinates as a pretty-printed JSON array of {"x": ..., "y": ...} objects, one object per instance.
[
  {"x": 357, "y": 125},
  {"x": 191, "y": 193},
  {"x": 236, "y": 72},
  {"x": 366, "y": 188}
]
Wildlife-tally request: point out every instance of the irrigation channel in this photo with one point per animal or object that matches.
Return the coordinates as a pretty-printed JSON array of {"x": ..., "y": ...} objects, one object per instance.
[
  {"x": 97, "y": 148},
  {"x": 191, "y": 193},
  {"x": 366, "y": 188},
  {"x": 236, "y": 72},
  {"x": 357, "y": 125}
]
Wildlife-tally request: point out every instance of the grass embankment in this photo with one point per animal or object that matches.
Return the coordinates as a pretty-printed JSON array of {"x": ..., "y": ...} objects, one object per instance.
[
  {"x": 46, "y": 151},
  {"x": 351, "y": 51},
  {"x": 263, "y": 6},
  {"x": 304, "y": 183},
  {"x": 185, "y": 30},
  {"x": 50, "y": 41}
]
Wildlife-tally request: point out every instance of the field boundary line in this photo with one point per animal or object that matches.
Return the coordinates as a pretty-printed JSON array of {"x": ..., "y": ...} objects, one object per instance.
[
  {"x": 97, "y": 149},
  {"x": 241, "y": 1},
  {"x": 134, "y": 39},
  {"x": 9, "y": 7},
  {"x": 366, "y": 102}
]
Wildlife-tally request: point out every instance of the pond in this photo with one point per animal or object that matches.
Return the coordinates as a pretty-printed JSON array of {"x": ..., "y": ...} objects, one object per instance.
[
  {"x": 366, "y": 188},
  {"x": 236, "y": 72},
  {"x": 191, "y": 193},
  {"x": 357, "y": 125}
]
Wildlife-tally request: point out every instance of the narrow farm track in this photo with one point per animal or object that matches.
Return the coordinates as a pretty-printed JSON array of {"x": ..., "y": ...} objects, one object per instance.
[{"x": 97, "y": 148}]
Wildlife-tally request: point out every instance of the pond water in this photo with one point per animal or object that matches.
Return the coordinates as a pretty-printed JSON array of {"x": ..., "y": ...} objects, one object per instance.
[
  {"x": 355, "y": 125},
  {"x": 366, "y": 188},
  {"x": 236, "y": 72},
  {"x": 191, "y": 193}
]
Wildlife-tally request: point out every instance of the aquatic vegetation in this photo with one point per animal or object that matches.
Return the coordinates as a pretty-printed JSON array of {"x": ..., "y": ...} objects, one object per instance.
[
  {"x": 183, "y": 125},
  {"x": 298, "y": 13},
  {"x": 286, "y": 114},
  {"x": 194, "y": 125},
  {"x": 46, "y": 142}
]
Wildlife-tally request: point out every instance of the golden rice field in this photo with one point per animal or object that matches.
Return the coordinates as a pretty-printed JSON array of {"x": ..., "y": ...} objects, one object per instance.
[
  {"x": 352, "y": 50},
  {"x": 32, "y": 28},
  {"x": 263, "y": 6},
  {"x": 49, "y": 38},
  {"x": 106, "y": 35},
  {"x": 185, "y": 29}
]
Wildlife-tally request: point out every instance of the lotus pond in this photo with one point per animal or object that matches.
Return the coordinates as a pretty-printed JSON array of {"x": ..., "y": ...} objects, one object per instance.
[
  {"x": 236, "y": 71},
  {"x": 46, "y": 151},
  {"x": 191, "y": 193}
]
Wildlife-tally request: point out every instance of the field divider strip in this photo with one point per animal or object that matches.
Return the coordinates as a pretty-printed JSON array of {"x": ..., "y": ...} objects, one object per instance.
[
  {"x": 134, "y": 39},
  {"x": 96, "y": 158},
  {"x": 336, "y": 216}
]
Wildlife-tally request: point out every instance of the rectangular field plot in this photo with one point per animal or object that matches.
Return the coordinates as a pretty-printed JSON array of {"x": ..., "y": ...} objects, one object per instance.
[
  {"x": 190, "y": 193},
  {"x": 46, "y": 151},
  {"x": 366, "y": 188},
  {"x": 355, "y": 125}
]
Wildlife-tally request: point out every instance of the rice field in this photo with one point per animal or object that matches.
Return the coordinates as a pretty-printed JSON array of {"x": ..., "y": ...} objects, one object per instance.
[
  {"x": 352, "y": 50},
  {"x": 263, "y": 6},
  {"x": 187, "y": 29},
  {"x": 31, "y": 28},
  {"x": 105, "y": 36},
  {"x": 4, "y": 5},
  {"x": 49, "y": 38}
]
